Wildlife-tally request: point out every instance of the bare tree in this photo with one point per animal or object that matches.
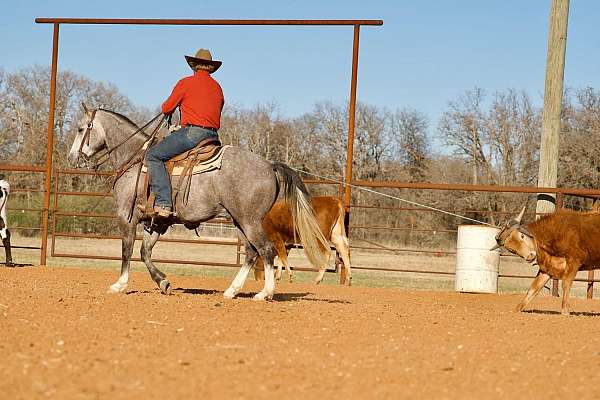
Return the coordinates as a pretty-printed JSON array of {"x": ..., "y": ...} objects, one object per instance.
[
  {"x": 462, "y": 127},
  {"x": 579, "y": 162},
  {"x": 409, "y": 129}
]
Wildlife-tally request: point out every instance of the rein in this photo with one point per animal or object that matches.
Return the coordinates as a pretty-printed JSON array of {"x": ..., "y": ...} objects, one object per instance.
[
  {"x": 104, "y": 157},
  {"x": 131, "y": 161}
]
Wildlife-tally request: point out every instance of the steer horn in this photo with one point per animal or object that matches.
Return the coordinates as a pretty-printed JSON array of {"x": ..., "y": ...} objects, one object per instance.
[
  {"x": 497, "y": 246},
  {"x": 520, "y": 216}
]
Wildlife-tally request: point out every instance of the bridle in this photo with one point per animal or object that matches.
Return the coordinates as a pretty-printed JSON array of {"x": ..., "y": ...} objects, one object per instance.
[
  {"x": 131, "y": 161},
  {"x": 86, "y": 138},
  {"x": 104, "y": 157}
]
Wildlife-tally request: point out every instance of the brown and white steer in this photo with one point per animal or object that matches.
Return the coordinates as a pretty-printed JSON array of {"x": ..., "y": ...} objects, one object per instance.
[
  {"x": 330, "y": 216},
  {"x": 561, "y": 244}
]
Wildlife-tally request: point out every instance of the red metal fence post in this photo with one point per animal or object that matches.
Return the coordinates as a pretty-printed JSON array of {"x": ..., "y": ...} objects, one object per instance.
[
  {"x": 351, "y": 123},
  {"x": 48, "y": 173}
]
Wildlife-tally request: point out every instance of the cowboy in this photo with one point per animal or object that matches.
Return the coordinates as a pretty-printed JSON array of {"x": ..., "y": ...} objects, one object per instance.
[{"x": 200, "y": 101}]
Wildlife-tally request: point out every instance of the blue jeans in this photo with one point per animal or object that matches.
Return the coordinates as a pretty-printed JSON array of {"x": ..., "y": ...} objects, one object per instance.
[{"x": 176, "y": 143}]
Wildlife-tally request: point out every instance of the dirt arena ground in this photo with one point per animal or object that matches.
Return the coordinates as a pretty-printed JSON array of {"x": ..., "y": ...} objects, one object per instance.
[{"x": 64, "y": 338}]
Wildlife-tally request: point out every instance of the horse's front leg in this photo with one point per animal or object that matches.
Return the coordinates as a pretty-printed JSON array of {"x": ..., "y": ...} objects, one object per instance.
[
  {"x": 157, "y": 275},
  {"x": 127, "y": 241}
]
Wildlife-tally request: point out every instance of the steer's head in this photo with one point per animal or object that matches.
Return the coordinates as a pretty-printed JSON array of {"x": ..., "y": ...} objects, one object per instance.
[{"x": 517, "y": 239}]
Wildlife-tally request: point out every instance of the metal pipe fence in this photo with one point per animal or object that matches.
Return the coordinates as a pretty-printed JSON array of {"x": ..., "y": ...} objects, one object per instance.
[{"x": 360, "y": 234}]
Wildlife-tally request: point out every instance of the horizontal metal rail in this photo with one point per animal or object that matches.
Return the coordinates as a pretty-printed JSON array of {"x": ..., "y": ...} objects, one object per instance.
[
  {"x": 22, "y": 168},
  {"x": 474, "y": 188},
  {"x": 160, "y": 260},
  {"x": 161, "y": 239},
  {"x": 241, "y": 22},
  {"x": 24, "y": 247},
  {"x": 391, "y": 228},
  {"x": 24, "y": 209}
]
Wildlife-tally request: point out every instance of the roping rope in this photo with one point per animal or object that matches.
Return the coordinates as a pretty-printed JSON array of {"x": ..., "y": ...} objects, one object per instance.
[{"x": 394, "y": 197}]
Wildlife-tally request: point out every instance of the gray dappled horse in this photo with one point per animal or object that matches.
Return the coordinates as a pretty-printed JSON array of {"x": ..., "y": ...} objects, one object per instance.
[{"x": 244, "y": 189}]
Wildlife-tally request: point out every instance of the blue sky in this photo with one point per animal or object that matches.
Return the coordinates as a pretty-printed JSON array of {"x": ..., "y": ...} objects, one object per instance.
[{"x": 426, "y": 53}]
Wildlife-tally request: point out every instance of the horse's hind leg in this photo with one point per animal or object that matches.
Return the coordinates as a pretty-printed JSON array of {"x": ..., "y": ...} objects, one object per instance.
[
  {"x": 266, "y": 250},
  {"x": 268, "y": 254},
  {"x": 257, "y": 243},
  {"x": 340, "y": 241},
  {"x": 128, "y": 238},
  {"x": 240, "y": 277},
  {"x": 281, "y": 253},
  {"x": 157, "y": 275}
]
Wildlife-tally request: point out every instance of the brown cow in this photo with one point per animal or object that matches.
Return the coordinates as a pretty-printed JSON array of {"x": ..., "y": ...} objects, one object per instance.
[
  {"x": 561, "y": 244},
  {"x": 330, "y": 216}
]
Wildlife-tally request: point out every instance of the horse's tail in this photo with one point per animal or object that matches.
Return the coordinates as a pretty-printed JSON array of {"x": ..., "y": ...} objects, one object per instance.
[{"x": 299, "y": 202}]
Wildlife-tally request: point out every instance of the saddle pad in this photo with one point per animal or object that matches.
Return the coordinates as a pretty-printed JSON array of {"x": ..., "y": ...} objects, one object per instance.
[{"x": 204, "y": 166}]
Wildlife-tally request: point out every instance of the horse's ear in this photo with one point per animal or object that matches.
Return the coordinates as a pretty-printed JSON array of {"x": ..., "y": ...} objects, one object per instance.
[{"x": 85, "y": 109}]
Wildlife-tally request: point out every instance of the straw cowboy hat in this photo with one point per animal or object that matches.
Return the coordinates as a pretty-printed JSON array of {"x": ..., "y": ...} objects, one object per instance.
[{"x": 204, "y": 58}]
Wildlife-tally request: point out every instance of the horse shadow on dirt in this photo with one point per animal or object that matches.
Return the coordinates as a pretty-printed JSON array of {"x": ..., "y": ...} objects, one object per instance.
[
  {"x": 205, "y": 292},
  {"x": 301, "y": 296},
  {"x": 573, "y": 313},
  {"x": 195, "y": 291},
  {"x": 277, "y": 297}
]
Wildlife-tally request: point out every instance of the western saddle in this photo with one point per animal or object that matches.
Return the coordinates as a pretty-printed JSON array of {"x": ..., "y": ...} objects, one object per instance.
[{"x": 184, "y": 163}]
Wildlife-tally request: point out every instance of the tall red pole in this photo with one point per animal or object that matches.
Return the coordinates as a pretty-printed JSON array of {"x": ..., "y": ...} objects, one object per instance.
[
  {"x": 49, "y": 149},
  {"x": 351, "y": 122}
]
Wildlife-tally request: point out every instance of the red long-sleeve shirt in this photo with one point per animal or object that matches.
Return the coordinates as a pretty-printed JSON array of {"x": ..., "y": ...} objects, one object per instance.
[{"x": 200, "y": 99}]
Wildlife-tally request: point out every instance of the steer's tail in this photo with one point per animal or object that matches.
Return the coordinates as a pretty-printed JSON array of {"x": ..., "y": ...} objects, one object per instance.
[{"x": 298, "y": 200}]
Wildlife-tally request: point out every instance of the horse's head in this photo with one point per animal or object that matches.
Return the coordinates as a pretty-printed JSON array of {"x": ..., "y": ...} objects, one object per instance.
[
  {"x": 90, "y": 138},
  {"x": 517, "y": 239}
]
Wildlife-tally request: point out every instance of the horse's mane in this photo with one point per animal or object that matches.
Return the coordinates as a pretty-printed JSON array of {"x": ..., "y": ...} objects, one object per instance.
[
  {"x": 120, "y": 116},
  {"x": 123, "y": 118}
]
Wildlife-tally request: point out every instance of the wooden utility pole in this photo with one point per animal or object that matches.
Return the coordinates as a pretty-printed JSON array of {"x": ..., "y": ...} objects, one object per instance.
[{"x": 553, "y": 96}]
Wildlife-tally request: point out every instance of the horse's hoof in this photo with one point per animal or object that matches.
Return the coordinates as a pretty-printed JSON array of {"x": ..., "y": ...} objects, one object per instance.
[
  {"x": 229, "y": 293},
  {"x": 165, "y": 287},
  {"x": 116, "y": 288},
  {"x": 261, "y": 296}
]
